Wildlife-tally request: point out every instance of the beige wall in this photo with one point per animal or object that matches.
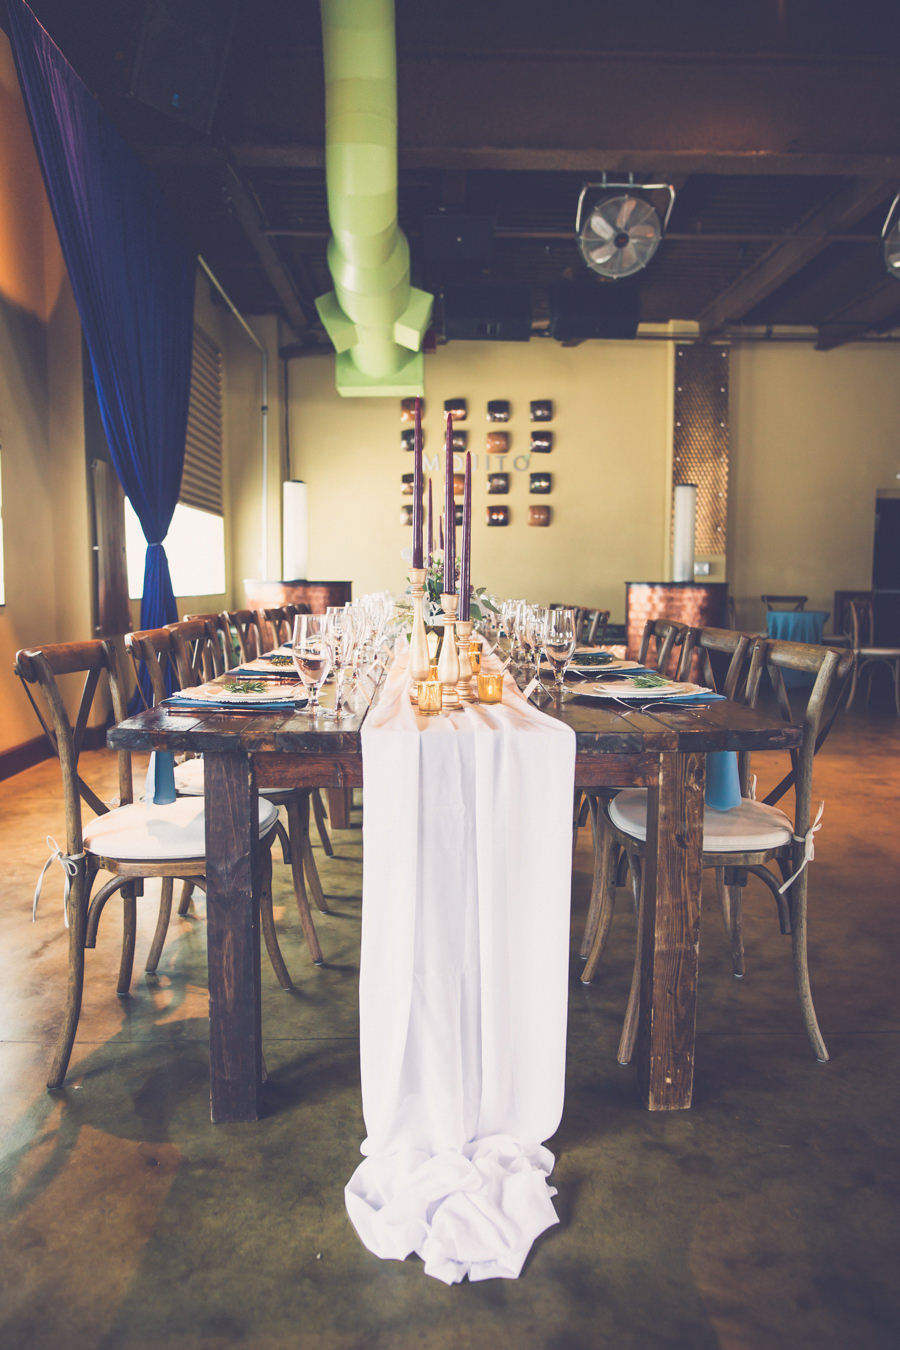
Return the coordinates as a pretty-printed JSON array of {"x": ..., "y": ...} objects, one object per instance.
[
  {"x": 814, "y": 437},
  {"x": 609, "y": 465},
  {"x": 45, "y": 504}
]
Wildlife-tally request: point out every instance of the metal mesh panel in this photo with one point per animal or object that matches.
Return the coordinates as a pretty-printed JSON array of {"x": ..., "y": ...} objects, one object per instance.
[{"x": 700, "y": 437}]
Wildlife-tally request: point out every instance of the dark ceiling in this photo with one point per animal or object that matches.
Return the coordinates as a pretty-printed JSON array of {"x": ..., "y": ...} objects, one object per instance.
[{"x": 777, "y": 123}]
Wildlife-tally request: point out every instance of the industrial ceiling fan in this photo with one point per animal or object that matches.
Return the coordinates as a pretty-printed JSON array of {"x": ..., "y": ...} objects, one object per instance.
[
  {"x": 890, "y": 239},
  {"x": 618, "y": 231}
]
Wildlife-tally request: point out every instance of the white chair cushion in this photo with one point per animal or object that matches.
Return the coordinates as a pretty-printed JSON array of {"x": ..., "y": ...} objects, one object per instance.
[
  {"x": 747, "y": 828},
  {"x": 189, "y": 779},
  {"x": 155, "y": 833}
]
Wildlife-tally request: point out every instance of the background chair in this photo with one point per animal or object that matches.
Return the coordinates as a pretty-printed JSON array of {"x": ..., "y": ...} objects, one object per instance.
[
  {"x": 278, "y": 623},
  {"x": 245, "y": 631},
  {"x": 746, "y": 839},
  {"x": 160, "y": 649},
  {"x": 862, "y": 620},
  {"x": 590, "y": 624},
  {"x": 133, "y": 841},
  {"x": 784, "y": 601},
  {"x": 594, "y": 623},
  {"x": 661, "y": 643},
  {"x": 699, "y": 646},
  {"x": 201, "y": 650},
  {"x": 242, "y": 628}
]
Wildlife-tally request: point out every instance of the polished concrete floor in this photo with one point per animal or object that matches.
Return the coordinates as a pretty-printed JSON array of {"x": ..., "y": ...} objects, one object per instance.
[{"x": 766, "y": 1217}]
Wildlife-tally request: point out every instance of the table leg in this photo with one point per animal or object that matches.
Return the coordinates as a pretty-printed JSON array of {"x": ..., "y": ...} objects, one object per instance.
[
  {"x": 232, "y": 921},
  {"x": 671, "y": 933},
  {"x": 340, "y": 801}
]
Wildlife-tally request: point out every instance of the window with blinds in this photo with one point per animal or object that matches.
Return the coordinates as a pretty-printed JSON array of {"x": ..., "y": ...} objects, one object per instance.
[{"x": 201, "y": 480}]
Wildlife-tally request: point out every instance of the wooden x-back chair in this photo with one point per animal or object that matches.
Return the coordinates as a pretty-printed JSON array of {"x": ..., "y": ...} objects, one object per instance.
[
  {"x": 868, "y": 656},
  {"x": 698, "y": 647},
  {"x": 176, "y": 647},
  {"x": 132, "y": 841},
  {"x": 661, "y": 644},
  {"x": 793, "y": 602},
  {"x": 246, "y": 627},
  {"x": 746, "y": 839},
  {"x": 279, "y": 622}
]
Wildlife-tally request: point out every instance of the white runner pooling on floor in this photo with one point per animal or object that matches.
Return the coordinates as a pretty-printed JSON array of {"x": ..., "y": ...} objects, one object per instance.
[{"x": 463, "y": 980}]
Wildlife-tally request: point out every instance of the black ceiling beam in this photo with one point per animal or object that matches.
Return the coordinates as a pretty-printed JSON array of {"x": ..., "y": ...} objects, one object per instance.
[
  {"x": 249, "y": 217},
  {"x": 784, "y": 260}
]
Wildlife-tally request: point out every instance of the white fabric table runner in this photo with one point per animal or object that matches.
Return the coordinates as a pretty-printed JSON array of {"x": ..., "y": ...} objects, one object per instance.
[{"x": 467, "y": 857}]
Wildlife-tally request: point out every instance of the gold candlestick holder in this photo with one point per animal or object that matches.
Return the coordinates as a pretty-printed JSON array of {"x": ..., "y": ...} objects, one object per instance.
[
  {"x": 465, "y": 685},
  {"x": 448, "y": 660},
  {"x": 419, "y": 657}
]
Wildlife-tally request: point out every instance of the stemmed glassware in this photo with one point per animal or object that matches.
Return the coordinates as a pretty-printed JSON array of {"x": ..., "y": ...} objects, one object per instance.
[
  {"x": 533, "y": 627},
  {"x": 312, "y": 656},
  {"x": 559, "y": 644},
  {"x": 340, "y": 636}
]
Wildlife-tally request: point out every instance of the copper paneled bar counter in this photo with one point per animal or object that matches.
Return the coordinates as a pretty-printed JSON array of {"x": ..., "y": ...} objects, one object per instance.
[
  {"x": 662, "y": 750},
  {"x": 700, "y": 604},
  {"x": 317, "y": 594}
]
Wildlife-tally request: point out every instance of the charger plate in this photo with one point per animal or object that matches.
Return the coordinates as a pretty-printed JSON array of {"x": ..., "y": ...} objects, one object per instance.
[{"x": 621, "y": 689}]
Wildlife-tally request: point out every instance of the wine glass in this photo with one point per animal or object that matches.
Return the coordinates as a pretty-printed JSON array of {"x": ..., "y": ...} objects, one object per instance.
[
  {"x": 559, "y": 644},
  {"x": 532, "y": 629},
  {"x": 309, "y": 648},
  {"x": 340, "y": 636}
]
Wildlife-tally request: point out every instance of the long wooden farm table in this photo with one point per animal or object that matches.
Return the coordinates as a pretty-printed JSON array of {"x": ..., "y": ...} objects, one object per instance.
[{"x": 664, "y": 750}]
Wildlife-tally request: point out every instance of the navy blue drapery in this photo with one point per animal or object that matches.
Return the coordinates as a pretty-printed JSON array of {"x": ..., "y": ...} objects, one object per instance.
[{"x": 133, "y": 281}]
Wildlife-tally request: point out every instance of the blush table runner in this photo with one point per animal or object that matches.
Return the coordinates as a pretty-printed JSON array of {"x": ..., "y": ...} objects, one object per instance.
[{"x": 467, "y": 857}]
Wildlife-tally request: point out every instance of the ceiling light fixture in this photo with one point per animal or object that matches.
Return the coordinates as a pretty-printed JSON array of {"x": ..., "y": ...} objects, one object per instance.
[{"x": 618, "y": 227}]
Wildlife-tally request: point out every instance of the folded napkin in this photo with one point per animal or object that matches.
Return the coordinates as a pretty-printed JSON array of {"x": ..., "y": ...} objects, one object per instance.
[
  {"x": 269, "y": 666},
  {"x": 230, "y": 696}
]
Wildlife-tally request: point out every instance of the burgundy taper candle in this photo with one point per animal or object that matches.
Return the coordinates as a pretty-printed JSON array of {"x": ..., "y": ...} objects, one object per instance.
[
  {"x": 417, "y": 490},
  {"x": 465, "y": 549},
  {"x": 430, "y": 540},
  {"x": 449, "y": 515}
]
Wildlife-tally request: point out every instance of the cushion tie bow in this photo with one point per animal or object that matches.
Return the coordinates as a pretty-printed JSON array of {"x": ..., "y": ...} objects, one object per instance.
[
  {"x": 69, "y": 863},
  {"x": 809, "y": 851}
]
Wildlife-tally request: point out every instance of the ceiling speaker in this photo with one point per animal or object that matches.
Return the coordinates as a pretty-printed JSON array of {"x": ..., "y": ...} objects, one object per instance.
[
  {"x": 487, "y": 313},
  {"x": 181, "y": 57},
  {"x": 580, "y": 310}
]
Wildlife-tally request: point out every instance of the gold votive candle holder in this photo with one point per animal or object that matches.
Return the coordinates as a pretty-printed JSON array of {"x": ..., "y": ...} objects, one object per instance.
[
  {"x": 430, "y": 697},
  {"x": 490, "y": 686},
  {"x": 475, "y": 655}
]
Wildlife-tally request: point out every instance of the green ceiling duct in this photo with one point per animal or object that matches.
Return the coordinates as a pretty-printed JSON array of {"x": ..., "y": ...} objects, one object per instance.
[{"x": 374, "y": 317}]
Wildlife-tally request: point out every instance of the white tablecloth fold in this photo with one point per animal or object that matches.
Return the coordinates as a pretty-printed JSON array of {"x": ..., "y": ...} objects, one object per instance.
[{"x": 467, "y": 851}]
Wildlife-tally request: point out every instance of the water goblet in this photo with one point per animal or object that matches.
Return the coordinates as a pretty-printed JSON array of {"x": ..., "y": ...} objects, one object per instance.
[
  {"x": 340, "y": 635},
  {"x": 312, "y": 658},
  {"x": 558, "y": 641}
]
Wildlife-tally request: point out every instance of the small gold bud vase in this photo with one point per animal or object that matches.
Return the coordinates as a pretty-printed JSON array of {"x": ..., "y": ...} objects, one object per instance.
[
  {"x": 448, "y": 660},
  {"x": 465, "y": 685},
  {"x": 419, "y": 658}
]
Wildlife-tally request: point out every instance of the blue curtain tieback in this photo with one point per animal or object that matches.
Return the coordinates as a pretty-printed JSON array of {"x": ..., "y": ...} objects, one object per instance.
[{"x": 70, "y": 863}]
